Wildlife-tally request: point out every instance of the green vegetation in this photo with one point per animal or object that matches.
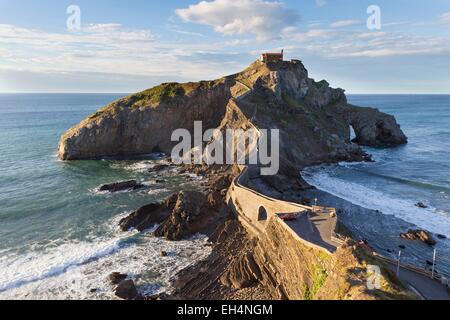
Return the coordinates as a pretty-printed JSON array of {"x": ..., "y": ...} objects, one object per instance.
[
  {"x": 318, "y": 280},
  {"x": 162, "y": 93},
  {"x": 391, "y": 287},
  {"x": 192, "y": 86}
]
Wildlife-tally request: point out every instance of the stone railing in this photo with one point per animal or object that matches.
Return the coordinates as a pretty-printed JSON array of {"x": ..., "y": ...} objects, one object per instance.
[
  {"x": 255, "y": 209},
  {"x": 335, "y": 237}
]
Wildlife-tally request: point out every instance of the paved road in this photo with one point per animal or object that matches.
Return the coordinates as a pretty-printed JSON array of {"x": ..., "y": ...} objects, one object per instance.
[
  {"x": 315, "y": 228},
  {"x": 429, "y": 289}
]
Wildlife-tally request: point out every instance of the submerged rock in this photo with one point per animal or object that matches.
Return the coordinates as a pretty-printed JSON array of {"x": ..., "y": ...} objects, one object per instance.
[
  {"x": 126, "y": 290},
  {"x": 421, "y": 205},
  {"x": 158, "y": 168},
  {"x": 122, "y": 186},
  {"x": 420, "y": 235}
]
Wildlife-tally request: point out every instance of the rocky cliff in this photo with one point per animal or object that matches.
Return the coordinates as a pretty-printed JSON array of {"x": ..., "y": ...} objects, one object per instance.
[
  {"x": 314, "y": 119},
  {"x": 144, "y": 122},
  {"x": 288, "y": 269},
  {"x": 277, "y": 266}
]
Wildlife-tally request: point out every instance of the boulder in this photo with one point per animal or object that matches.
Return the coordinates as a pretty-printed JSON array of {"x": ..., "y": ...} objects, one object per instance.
[
  {"x": 187, "y": 216},
  {"x": 116, "y": 278},
  {"x": 145, "y": 217},
  {"x": 121, "y": 186},
  {"x": 180, "y": 216},
  {"x": 126, "y": 290},
  {"x": 420, "y": 235}
]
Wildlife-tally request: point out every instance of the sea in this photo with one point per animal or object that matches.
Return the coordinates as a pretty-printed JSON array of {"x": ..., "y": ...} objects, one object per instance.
[
  {"x": 59, "y": 236},
  {"x": 399, "y": 179}
]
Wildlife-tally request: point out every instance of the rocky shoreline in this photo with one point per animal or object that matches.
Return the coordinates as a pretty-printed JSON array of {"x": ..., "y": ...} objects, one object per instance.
[
  {"x": 224, "y": 274},
  {"x": 314, "y": 122}
]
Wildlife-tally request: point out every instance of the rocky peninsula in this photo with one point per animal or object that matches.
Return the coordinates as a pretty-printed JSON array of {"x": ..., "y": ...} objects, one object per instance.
[{"x": 315, "y": 124}]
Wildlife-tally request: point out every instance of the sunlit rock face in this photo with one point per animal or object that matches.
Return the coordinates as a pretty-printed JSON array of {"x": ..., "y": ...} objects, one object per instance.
[{"x": 314, "y": 119}]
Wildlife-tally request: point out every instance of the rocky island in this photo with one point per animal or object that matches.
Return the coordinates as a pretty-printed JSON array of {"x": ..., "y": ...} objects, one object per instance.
[{"x": 256, "y": 255}]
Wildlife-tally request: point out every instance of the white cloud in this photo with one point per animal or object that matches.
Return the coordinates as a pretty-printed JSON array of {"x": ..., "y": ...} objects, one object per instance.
[
  {"x": 295, "y": 35},
  {"x": 102, "y": 27},
  {"x": 331, "y": 43},
  {"x": 264, "y": 19},
  {"x": 445, "y": 18},
  {"x": 112, "y": 49},
  {"x": 344, "y": 23},
  {"x": 370, "y": 35}
]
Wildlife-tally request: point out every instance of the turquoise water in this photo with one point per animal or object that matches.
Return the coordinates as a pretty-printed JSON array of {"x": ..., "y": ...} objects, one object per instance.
[
  {"x": 54, "y": 225},
  {"x": 401, "y": 177}
]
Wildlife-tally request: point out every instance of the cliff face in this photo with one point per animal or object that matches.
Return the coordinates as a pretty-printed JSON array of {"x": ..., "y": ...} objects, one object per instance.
[
  {"x": 314, "y": 119},
  {"x": 288, "y": 269},
  {"x": 277, "y": 266},
  {"x": 144, "y": 122}
]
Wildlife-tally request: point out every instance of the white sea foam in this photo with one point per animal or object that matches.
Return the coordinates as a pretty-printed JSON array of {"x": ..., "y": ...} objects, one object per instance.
[
  {"x": 159, "y": 191},
  {"x": 72, "y": 269},
  {"x": 35, "y": 266},
  {"x": 140, "y": 166},
  {"x": 434, "y": 220}
]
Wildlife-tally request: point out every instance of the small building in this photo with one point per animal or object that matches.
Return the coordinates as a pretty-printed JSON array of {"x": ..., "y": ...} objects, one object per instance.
[{"x": 272, "y": 57}]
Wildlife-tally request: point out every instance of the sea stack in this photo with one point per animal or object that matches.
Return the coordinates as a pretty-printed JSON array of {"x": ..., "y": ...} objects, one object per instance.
[{"x": 314, "y": 119}]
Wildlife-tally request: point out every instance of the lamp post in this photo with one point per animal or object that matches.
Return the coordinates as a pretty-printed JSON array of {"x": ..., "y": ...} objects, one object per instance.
[
  {"x": 398, "y": 264},
  {"x": 434, "y": 264}
]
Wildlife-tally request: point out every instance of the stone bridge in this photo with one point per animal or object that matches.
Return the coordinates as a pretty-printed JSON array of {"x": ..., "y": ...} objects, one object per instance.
[{"x": 254, "y": 210}]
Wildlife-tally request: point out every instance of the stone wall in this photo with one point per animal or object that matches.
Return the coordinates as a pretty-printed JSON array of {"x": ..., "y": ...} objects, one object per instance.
[{"x": 255, "y": 210}]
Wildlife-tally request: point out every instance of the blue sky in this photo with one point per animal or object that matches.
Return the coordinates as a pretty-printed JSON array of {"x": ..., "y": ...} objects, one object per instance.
[{"x": 127, "y": 46}]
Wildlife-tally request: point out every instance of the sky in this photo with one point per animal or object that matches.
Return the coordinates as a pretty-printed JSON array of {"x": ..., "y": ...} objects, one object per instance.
[{"x": 128, "y": 46}]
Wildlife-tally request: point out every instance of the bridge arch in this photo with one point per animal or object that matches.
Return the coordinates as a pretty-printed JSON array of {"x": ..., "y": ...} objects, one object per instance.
[{"x": 262, "y": 214}]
